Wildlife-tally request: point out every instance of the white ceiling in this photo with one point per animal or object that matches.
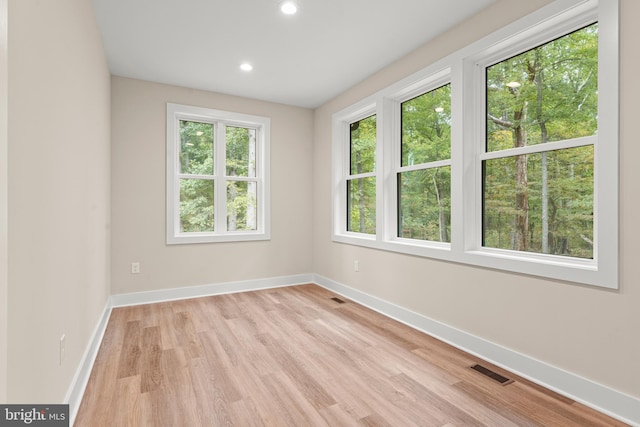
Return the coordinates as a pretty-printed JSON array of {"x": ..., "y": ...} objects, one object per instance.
[{"x": 303, "y": 60}]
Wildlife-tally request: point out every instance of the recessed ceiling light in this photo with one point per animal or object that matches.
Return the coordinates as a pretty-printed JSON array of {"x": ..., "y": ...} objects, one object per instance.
[
  {"x": 288, "y": 7},
  {"x": 513, "y": 85},
  {"x": 245, "y": 66}
]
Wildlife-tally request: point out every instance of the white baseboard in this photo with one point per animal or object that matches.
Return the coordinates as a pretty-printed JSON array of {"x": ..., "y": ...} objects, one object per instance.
[
  {"x": 121, "y": 300},
  {"x": 81, "y": 378},
  {"x": 597, "y": 396}
]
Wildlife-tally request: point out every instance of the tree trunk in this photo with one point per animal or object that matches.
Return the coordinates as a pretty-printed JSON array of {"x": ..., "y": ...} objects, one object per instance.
[
  {"x": 442, "y": 220},
  {"x": 231, "y": 211},
  {"x": 361, "y": 204},
  {"x": 520, "y": 241},
  {"x": 543, "y": 140},
  {"x": 545, "y": 205}
]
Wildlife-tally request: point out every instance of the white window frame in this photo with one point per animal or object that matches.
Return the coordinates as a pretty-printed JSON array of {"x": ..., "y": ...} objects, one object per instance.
[
  {"x": 433, "y": 81},
  {"x": 465, "y": 70},
  {"x": 342, "y": 171},
  {"x": 220, "y": 119}
]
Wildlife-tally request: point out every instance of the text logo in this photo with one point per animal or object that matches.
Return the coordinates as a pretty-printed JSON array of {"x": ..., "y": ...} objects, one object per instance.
[{"x": 34, "y": 415}]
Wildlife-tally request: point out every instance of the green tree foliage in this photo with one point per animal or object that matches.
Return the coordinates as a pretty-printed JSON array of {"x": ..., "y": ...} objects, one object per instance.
[
  {"x": 424, "y": 195},
  {"x": 196, "y": 195},
  {"x": 241, "y": 162},
  {"x": 542, "y": 202},
  {"x": 241, "y": 151},
  {"x": 361, "y": 192},
  {"x": 197, "y": 208}
]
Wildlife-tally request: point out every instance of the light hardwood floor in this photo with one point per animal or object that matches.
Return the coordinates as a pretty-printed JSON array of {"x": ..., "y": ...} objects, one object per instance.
[{"x": 295, "y": 357}]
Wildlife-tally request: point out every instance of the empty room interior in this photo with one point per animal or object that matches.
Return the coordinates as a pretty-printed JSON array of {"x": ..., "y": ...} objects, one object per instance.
[{"x": 321, "y": 213}]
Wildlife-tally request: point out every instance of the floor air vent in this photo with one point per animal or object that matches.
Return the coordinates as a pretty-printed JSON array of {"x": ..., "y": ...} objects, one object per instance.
[
  {"x": 493, "y": 375},
  {"x": 338, "y": 300}
]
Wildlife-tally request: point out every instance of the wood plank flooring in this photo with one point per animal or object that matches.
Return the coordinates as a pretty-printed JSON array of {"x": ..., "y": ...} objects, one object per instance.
[{"x": 295, "y": 357}]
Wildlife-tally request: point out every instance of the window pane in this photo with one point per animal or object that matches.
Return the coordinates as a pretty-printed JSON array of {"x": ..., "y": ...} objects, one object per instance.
[
  {"x": 540, "y": 203},
  {"x": 196, "y": 205},
  {"x": 361, "y": 199},
  {"x": 426, "y": 127},
  {"x": 362, "y": 143},
  {"x": 241, "y": 205},
  {"x": 196, "y": 148},
  {"x": 546, "y": 94},
  {"x": 424, "y": 204},
  {"x": 241, "y": 151}
]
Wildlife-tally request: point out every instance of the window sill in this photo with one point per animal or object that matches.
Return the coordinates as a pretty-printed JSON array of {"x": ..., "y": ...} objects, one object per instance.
[
  {"x": 553, "y": 267},
  {"x": 196, "y": 238}
]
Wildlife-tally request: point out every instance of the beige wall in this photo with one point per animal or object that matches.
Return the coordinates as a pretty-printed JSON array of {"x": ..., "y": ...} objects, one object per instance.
[
  {"x": 590, "y": 332},
  {"x": 138, "y": 194},
  {"x": 4, "y": 258},
  {"x": 58, "y": 192}
]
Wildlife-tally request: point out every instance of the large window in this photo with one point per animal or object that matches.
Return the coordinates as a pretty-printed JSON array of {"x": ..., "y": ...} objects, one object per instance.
[
  {"x": 502, "y": 155},
  {"x": 424, "y": 173},
  {"x": 542, "y": 121},
  {"x": 217, "y": 175}
]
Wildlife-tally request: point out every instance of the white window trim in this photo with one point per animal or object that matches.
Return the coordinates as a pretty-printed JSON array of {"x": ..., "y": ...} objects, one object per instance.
[
  {"x": 392, "y": 144},
  {"x": 341, "y": 171},
  {"x": 464, "y": 69},
  {"x": 177, "y": 112}
]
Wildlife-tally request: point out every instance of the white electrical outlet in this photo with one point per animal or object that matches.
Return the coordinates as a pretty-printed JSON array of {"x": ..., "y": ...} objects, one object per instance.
[
  {"x": 356, "y": 266},
  {"x": 135, "y": 268},
  {"x": 62, "y": 347}
]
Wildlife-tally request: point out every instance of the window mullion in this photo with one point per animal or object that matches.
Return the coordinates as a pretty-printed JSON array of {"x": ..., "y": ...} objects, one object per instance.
[
  {"x": 540, "y": 148},
  {"x": 174, "y": 165},
  {"x": 219, "y": 173},
  {"x": 361, "y": 175},
  {"x": 391, "y": 148},
  {"x": 381, "y": 134},
  {"x": 468, "y": 146},
  {"x": 190, "y": 176},
  {"x": 421, "y": 166}
]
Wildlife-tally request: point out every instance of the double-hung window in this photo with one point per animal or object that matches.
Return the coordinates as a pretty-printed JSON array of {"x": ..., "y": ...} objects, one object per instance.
[
  {"x": 423, "y": 174},
  {"x": 217, "y": 175},
  {"x": 538, "y": 161},
  {"x": 502, "y": 155},
  {"x": 357, "y": 175}
]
